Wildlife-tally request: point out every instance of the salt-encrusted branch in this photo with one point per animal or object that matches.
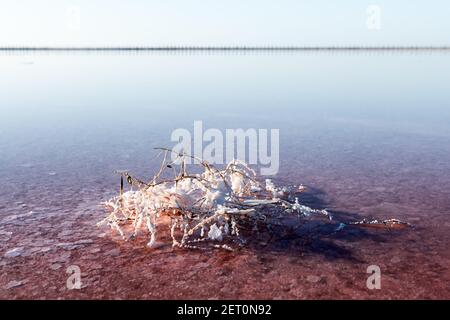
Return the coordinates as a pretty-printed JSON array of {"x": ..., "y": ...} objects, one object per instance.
[
  {"x": 203, "y": 208},
  {"x": 206, "y": 207}
]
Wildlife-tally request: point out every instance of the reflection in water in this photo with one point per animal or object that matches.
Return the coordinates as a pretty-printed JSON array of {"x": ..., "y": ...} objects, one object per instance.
[{"x": 368, "y": 135}]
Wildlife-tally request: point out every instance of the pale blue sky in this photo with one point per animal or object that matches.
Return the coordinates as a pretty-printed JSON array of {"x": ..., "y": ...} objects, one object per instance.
[{"x": 226, "y": 22}]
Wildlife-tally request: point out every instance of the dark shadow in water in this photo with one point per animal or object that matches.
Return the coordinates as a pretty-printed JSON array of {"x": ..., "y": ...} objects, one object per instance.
[{"x": 319, "y": 236}]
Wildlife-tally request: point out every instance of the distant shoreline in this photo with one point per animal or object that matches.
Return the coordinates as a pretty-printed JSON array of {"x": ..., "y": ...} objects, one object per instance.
[{"x": 229, "y": 48}]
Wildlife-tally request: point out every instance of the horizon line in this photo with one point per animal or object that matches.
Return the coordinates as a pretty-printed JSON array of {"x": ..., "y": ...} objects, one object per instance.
[{"x": 221, "y": 48}]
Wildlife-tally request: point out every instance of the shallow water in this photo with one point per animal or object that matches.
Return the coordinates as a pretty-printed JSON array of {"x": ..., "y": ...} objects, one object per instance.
[{"x": 367, "y": 133}]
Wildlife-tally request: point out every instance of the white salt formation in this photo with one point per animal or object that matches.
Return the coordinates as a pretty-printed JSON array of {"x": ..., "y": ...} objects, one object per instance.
[{"x": 205, "y": 209}]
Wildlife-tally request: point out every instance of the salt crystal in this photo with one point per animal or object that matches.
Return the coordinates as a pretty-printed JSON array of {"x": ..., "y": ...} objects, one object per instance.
[
  {"x": 84, "y": 241},
  {"x": 13, "y": 284},
  {"x": 5, "y": 235},
  {"x": 14, "y": 252},
  {"x": 215, "y": 233},
  {"x": 55, "y": 266}
]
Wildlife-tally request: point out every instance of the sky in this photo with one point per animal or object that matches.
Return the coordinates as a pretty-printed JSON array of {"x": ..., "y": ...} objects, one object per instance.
[{"x": 224, "y": 22}]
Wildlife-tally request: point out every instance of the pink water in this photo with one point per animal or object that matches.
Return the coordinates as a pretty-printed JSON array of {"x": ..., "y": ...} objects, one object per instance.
[{"x": 360, "y": 155}]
